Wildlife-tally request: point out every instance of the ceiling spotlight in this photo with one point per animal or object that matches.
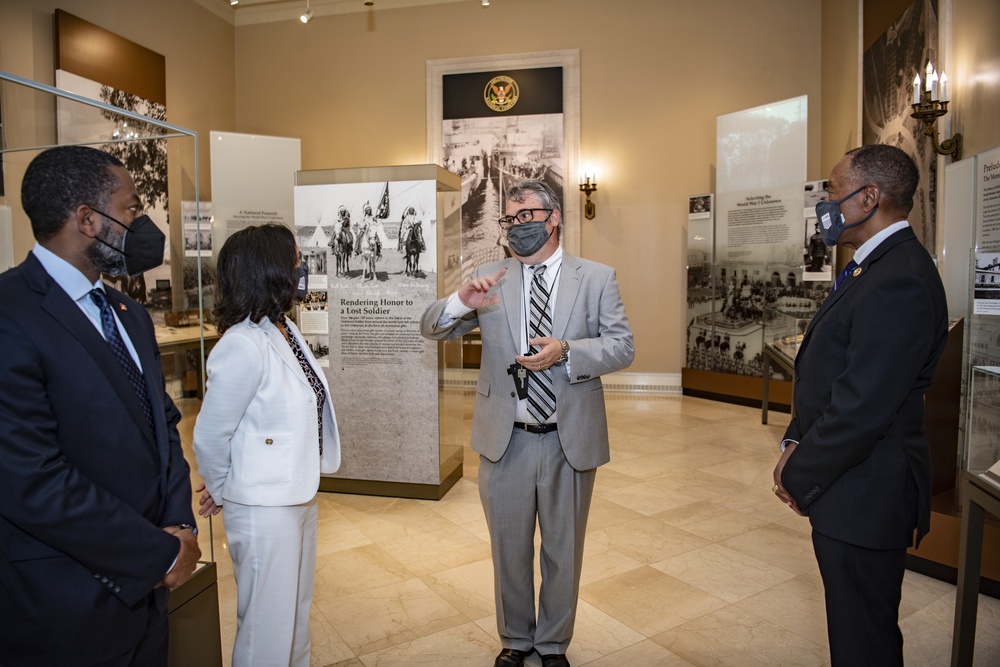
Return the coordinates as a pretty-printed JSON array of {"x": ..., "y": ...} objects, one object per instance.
[
  {"x": 308, "y": 15},
  {"x": 486, "y": 3},
  {"x": 233, "y": 3}
]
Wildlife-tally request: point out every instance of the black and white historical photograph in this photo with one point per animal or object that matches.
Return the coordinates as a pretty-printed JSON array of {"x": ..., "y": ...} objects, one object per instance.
[
  {"x": 145, "y": 159},
  {"x": 197, "y": 220},
  {"x": 490, "y": 154},
  {"x": 817, "y": 259},
  {"x": 889, "y": 66},
  {"x": 372, "y": 232},
  {"x": 319, "y": 345},
  {"x": 752, "y": 302},
  {"x": 986, "y": 285},
  {"x": 197, "y": 241},
  {"x": 699, "y": 206}
]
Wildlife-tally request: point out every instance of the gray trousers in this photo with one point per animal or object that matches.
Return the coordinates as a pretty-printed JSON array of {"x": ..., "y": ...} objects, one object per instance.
[{"x": 533, "y": 481}]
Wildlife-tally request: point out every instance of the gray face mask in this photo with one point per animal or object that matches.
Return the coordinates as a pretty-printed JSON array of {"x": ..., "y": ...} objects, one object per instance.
[{"x": 528, "y": 238}]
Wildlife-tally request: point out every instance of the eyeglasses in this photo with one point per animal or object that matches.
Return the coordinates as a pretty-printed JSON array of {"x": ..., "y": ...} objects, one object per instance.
[{"x": 524, "y": 215}]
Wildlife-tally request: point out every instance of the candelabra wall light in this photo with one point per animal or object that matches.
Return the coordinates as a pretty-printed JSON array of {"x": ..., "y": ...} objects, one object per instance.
[
  {"x": 588, "y": 187},
  {"x": 930, "y": 102}
]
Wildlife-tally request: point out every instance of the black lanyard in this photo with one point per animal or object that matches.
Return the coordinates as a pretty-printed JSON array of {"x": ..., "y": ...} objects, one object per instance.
[{"x": 526, "y": 307}]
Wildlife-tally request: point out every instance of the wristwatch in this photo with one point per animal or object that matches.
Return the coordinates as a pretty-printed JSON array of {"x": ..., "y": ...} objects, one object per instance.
[
  {"x": 188, "y": 526},
  {"x": 564, "y": 357}
]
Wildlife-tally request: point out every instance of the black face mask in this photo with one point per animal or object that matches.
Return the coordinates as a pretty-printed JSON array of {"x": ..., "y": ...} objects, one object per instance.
[
  {"x": 142, "y": 244},
  {"x": 300, "y": 276}
]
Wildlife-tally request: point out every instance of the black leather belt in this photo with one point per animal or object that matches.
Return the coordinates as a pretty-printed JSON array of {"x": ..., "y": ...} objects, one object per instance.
[{"x": 535, "y": 428}]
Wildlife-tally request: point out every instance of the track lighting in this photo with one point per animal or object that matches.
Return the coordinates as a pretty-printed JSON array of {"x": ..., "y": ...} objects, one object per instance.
[
  {"x": 233, "y": 3},
  {"x": 308, "y": 15}
]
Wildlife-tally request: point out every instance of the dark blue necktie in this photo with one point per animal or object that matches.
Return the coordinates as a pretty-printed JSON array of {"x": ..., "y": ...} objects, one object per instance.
[
  {"x": 121, "y": 352},
  {"x": 851, "y": 265}
]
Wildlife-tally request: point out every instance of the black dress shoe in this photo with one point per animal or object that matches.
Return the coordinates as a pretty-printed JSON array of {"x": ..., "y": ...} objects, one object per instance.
[
  {"x": 555, "y": 660},
  {"x": 510, "y": 657}
]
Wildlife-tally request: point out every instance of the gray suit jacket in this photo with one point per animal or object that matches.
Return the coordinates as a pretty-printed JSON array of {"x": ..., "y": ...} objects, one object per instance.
[{"x": 589, "y": 314}]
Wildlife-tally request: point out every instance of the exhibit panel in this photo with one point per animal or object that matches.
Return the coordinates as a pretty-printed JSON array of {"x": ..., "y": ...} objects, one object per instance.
[
  {"x": 379, "y": 244},
  {"x": 35, "y": 120},
  {"x": 754, "y": 256}
]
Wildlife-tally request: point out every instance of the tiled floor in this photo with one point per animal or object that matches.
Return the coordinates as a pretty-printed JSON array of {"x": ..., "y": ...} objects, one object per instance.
[{"x": 690, "y": 560}]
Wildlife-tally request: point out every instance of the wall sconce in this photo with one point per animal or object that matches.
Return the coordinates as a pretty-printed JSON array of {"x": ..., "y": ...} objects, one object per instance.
[
  {"x": 588, "y": 187},
  {"x": 930, "y": 102}
]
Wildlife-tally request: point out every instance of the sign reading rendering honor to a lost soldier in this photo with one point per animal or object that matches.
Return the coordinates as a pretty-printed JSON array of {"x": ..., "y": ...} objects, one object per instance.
[{"x": 371, "y": 252}]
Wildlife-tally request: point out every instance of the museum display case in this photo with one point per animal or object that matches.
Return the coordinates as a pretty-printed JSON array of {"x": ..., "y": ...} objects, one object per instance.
[
  {"x": 784, "y": 328},
  {"x": 387, "y": 382}
]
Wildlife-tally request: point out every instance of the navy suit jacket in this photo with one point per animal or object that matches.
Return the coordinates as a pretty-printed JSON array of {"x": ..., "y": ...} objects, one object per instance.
[
  {"x": 85, "y": 485},
  {"x": 862, "y": 470}
]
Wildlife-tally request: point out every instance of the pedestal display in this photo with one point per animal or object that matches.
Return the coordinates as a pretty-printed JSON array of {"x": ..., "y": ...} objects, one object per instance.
[{"x": 380, "y": 245}]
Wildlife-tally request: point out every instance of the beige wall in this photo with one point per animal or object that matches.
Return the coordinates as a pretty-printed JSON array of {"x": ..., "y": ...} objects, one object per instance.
[
  {"x": 654, "y": 76},
  {"x": 840, "y": 116},
  {"x": 199, "y": 51},
  {"x": 975, "y": 73}
]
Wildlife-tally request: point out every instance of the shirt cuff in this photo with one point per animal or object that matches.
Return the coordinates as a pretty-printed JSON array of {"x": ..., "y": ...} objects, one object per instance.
[
  {"x": 454, "y": 309},
  {"x": 786, "y": 441}
]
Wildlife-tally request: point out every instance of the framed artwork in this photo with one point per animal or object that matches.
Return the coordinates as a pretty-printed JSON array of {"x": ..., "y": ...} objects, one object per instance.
[{"x": 497, "y": 119}]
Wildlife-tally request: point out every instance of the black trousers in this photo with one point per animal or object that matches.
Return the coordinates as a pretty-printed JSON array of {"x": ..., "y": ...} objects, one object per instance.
[{"x": 863, "y": 588}]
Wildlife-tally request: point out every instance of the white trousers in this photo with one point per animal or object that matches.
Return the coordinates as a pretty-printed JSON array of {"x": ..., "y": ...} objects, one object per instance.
[{"x": 274, "y": 560}]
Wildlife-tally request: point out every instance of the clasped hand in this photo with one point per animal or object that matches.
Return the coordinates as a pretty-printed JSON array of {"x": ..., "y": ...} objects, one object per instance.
[{"x": 550, "y": 349}]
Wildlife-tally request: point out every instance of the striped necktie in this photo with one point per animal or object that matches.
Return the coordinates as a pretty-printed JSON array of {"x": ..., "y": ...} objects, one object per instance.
[
  {"x": 117, "y": 345},
  {"x": 541, "y": 397}
]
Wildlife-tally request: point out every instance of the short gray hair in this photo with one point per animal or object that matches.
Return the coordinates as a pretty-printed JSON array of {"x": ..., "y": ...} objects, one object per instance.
[{"x": 522, "y": 189}]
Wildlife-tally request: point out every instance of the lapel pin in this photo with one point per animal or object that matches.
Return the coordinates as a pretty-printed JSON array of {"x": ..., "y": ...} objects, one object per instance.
[
  {"x": 857, "y": 272},
  {"x": 121, "y": 306}
]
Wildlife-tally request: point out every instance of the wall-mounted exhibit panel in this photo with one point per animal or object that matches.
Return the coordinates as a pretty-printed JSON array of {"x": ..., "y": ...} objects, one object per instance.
[{"x": 380, "y": 245}]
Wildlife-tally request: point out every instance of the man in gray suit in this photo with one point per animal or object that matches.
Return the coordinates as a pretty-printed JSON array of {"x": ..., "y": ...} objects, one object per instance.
[{"x": 551, "y": 325}]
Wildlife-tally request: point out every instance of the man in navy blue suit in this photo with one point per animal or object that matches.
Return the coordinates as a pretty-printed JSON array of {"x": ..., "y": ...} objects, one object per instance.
[
  {"x": 96, "y": 522},
  {"x": 855, "y": 457}
]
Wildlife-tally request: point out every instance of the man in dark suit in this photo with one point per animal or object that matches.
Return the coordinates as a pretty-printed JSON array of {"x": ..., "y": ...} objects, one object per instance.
[
  {"x": 96, "y": 522},
  {"x": 553, "y": 325},
  {"x": 855, "y": 456}
]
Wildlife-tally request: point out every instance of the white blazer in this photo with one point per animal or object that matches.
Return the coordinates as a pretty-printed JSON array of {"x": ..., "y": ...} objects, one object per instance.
[{"x": 255, "y": 440}]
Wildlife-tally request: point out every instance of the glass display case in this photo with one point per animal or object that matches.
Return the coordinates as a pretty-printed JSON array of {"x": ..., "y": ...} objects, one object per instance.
[
  {"x": 784, "y": 328},
  {"x": 983, "y": 444},
  {"x": 406, "y": 220},
  {"x": 982, "y": 353}
]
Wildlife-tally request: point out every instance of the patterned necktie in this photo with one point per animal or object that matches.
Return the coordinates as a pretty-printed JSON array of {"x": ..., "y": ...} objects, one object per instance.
[
  {"x": 121, "y": 352},
  {"x": 541, "y": 397},
  {"x": 851, "y": 265}
]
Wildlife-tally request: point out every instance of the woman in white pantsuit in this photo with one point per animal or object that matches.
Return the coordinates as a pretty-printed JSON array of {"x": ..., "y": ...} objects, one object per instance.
[{"x": 265, "y": 432}]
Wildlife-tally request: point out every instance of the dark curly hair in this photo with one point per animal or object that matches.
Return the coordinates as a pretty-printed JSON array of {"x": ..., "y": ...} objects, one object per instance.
[
  {"x": 255, "y": 275},
  {"x": 59, "y": 180}
]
